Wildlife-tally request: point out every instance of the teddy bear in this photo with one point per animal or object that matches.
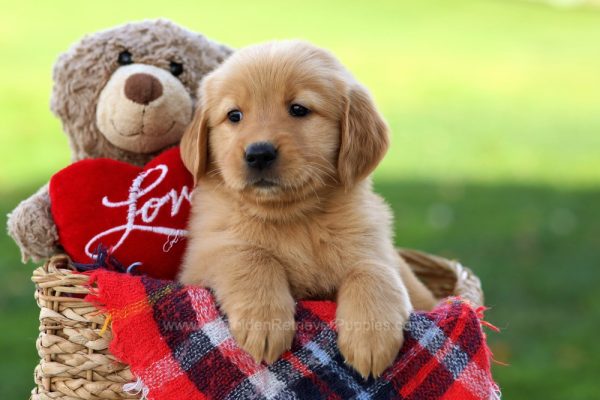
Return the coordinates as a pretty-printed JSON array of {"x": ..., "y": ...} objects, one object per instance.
[{"x": 127, "y": 94}]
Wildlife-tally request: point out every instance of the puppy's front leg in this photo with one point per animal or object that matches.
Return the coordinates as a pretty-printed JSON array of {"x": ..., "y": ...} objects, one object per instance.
[
  {"x": 255, "y": 295},
  {"x": 373, "y": 306}
]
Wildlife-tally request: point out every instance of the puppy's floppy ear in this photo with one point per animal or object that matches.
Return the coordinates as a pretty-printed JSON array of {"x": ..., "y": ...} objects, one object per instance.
[
  {"x": 364, "y": 137},
  {"x": 194, "y": 144}
]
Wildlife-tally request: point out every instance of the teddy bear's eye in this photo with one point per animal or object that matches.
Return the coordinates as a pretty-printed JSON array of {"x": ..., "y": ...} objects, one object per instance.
[
  {"x": 176, "y": 68},
  {"x": 125, "y": 58}
]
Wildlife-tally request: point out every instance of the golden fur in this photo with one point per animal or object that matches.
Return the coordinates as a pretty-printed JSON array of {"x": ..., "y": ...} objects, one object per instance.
[{"x": 319, "y": 231}]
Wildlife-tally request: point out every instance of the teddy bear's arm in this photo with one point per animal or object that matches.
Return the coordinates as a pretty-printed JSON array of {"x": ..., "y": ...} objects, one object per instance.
[{"x": 32, "y": 227}]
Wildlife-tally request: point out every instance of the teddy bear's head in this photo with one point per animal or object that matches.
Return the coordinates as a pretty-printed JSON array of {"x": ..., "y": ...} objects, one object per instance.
[{"x": 128, "y": 93}]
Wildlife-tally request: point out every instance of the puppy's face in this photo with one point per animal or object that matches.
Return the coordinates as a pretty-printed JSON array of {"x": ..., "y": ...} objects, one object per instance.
[{"x": 281, "y": 121}]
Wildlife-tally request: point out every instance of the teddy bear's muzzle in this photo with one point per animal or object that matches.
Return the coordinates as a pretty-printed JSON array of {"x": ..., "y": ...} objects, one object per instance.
[{"x": 143, "y": 108}]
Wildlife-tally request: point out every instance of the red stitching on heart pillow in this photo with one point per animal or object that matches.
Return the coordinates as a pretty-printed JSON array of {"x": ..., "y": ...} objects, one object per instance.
[{"x": 140, "y": 212}]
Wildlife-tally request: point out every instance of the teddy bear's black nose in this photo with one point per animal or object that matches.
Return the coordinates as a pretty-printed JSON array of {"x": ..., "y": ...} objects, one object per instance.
[{"x": 143, "y": 88}]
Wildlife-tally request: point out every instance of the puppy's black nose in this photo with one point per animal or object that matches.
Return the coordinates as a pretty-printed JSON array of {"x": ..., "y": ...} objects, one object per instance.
[{"x": 260, "y": 155}]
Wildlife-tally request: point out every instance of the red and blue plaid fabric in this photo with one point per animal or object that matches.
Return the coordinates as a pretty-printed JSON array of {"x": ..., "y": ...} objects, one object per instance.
[{"x": 178, "y": 345}]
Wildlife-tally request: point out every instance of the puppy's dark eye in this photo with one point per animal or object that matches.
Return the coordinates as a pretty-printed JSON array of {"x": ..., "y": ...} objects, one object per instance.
[
  {"x": 234, "y": 116},
  {"x": 296, "y": 110},
  {"x": 176, "y": 68},
  {"x": 125, "y": 58}
]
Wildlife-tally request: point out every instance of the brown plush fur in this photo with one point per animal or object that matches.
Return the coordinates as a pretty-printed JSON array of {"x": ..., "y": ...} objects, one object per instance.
[
  {"x": 82, "y": 74},
  {"x": 319, "y": 231}
]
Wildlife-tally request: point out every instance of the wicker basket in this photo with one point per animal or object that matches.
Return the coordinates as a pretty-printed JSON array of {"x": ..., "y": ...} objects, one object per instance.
[{"x": 75, "y": 361}]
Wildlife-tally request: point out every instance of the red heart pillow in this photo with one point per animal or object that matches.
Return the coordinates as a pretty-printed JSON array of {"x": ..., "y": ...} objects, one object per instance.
[{"x": 140, "y": 212}]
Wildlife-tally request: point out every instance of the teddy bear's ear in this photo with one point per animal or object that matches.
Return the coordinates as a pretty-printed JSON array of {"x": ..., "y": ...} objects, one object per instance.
[
  {"x": 215, "y": 53},
  {"x": 194, "y": 144},
  {"x": 221, "y": 52}
]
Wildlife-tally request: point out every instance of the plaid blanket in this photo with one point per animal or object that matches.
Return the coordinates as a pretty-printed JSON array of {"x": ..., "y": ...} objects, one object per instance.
[{"x": 179, "y": 347}]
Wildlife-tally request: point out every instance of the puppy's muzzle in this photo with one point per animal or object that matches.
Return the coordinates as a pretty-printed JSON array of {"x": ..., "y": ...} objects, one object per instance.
[{"x": 260, "y": 155}]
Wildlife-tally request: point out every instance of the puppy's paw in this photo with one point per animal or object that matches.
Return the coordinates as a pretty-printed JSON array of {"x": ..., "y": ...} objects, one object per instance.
[
  {"x": 370, "y": 347},
  {"x": 264, "y": 332}
]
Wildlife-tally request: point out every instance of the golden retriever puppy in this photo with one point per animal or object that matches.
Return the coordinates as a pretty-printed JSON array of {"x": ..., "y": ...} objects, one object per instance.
[{"x": 281, "y": 147}]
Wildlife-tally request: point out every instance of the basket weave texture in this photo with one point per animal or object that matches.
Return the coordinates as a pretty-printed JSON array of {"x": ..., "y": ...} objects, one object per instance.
[{"x": 74, "y": 359}]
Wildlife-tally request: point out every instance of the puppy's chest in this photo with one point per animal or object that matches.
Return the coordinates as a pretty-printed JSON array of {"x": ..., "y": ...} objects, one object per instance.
[{"x": 311, "y": 253}]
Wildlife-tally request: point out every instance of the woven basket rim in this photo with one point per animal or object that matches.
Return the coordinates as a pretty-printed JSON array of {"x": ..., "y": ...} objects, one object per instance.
[{"x": 466, "y": 283}]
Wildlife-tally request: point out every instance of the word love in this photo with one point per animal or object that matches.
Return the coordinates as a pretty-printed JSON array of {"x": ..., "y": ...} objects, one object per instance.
[{"x": 139, "y": 215}]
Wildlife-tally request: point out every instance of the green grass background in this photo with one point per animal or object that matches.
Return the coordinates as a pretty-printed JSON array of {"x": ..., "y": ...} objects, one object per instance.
[{"x": 495, "y": 112}]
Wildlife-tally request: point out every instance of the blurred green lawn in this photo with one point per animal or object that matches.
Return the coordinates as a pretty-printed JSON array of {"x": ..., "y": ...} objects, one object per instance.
[{"x": 495, "y": 112}]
